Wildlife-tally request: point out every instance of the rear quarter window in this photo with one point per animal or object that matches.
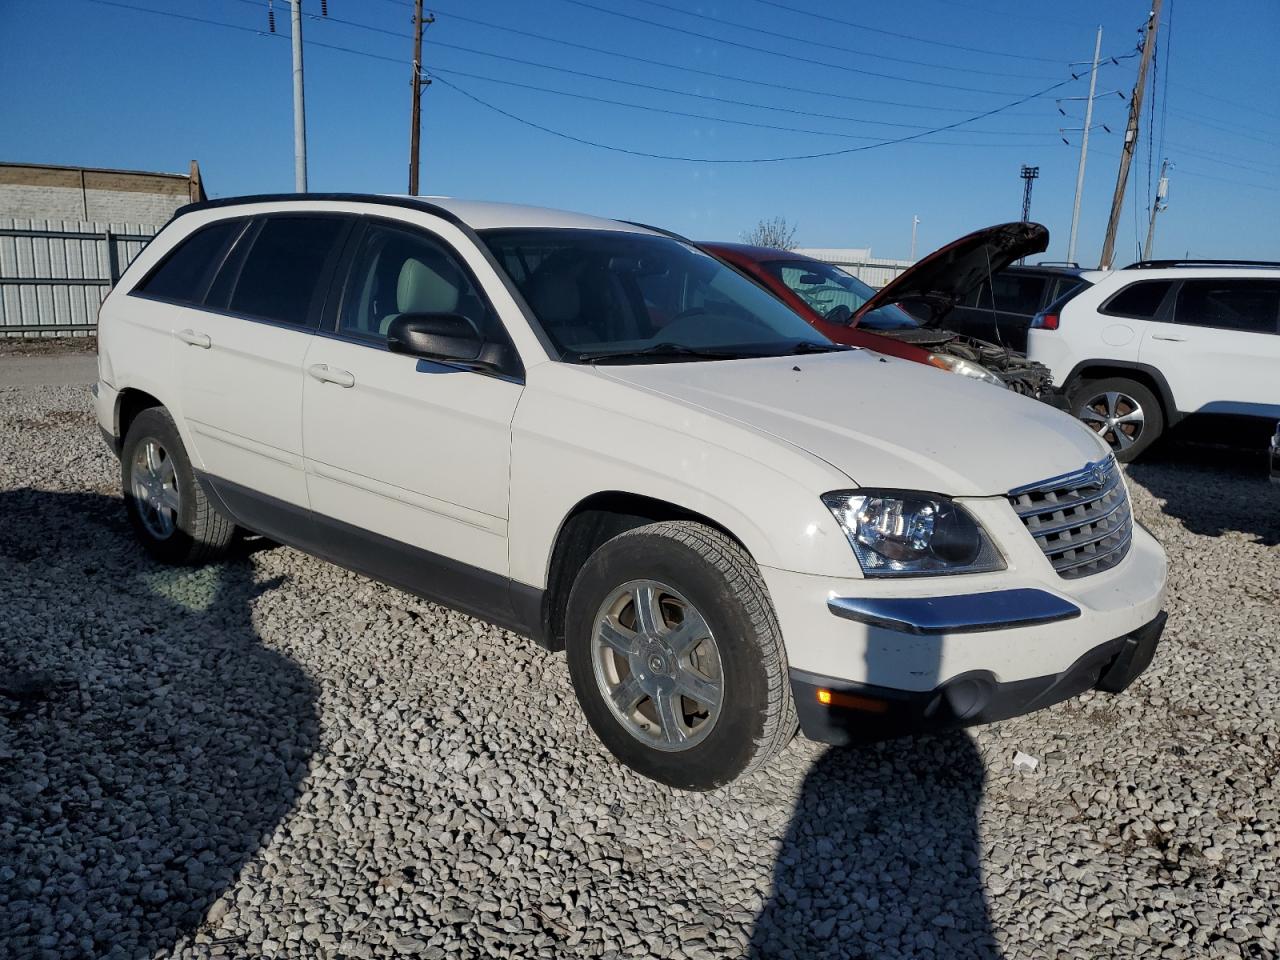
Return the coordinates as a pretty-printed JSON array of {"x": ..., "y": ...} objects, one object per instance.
[
  {"x": 183, "y": 275},
  {"x": 1141, "y": 300}
]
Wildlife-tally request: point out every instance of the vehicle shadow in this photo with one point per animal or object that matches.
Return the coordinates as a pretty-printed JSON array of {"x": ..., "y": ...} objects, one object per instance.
[
  {"x": 149, "y": 743},
  {"x": 882, "y": 857},
  {"x": 1179, "y": 473}
]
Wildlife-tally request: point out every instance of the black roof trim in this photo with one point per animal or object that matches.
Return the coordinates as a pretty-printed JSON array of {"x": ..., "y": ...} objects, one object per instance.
[
  {"x": 1159, "y": 264},
  {"x": 410, "y": 203}
]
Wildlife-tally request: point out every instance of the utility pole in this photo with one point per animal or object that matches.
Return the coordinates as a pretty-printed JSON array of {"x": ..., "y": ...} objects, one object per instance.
[
  {"x": 1162, "y": 191},
  {"x": 915, "y": 222},
  {"x": 299, "y": 107},
  {"x": 1029, "y": 175},
  {"x": 1130, "y": 136},
  {"x": 419, "y": 82},
  {"x": 1084, "y": 148}
]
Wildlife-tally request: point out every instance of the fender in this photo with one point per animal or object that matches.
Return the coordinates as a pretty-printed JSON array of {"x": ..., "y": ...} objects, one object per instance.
[{"x": 1171, "y": 412}]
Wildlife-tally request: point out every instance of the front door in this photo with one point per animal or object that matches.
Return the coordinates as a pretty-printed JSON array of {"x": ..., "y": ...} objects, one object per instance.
[
  {"x": 1221, "y": 351},
  {"x": 408, "y": 461}
]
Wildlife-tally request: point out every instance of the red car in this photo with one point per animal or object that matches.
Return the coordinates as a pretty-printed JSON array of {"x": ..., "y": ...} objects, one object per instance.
[{"x": 848, "y": 311}]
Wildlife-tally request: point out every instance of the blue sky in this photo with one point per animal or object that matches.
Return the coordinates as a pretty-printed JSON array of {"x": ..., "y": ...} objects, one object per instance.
[{"x": 99, "y": 85}]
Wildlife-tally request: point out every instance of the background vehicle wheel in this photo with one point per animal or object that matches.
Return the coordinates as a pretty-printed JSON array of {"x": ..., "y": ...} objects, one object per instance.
[
  {"x": 1123, "y": 412},
  {"x": 170, "y": 513},
  {"x": 676, "y": 656}
]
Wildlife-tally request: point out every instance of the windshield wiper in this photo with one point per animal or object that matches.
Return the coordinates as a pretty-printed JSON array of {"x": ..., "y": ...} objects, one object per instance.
[
  {"x": 674, "y": 351},
  {"x": 808, "y": 346}
]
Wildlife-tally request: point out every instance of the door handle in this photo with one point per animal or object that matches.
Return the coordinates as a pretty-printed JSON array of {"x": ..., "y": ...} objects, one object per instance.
[
  {"x": 195, "y": 339},
  {"x": 1156, "y": 336},
  {"x": 327, "y": 374}
]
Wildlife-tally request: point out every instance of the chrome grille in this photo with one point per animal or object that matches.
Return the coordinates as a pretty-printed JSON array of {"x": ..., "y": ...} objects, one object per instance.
[{"x": 1081, "y": 520}]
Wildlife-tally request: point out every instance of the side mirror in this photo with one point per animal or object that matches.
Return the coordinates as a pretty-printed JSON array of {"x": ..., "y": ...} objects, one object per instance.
[{"x": 438, "y": 336}]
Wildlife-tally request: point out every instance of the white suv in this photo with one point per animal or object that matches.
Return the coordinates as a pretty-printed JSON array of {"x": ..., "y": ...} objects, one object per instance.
[
  {"x": 595, "y": 435},
  {"x": 1138, "y": 349}
]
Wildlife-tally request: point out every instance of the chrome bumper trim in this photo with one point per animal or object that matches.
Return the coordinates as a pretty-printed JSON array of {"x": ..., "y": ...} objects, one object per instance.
[{"x": 963, "y": 613}]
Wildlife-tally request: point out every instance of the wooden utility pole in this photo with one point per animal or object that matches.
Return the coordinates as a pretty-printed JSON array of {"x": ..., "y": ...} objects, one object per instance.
[
  {"x": 1130, "y": 136},
  {"x": 419, "y": 82}
]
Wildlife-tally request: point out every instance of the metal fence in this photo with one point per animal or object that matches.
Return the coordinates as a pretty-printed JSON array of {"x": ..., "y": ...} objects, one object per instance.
[{"x": 54, "y": 274}]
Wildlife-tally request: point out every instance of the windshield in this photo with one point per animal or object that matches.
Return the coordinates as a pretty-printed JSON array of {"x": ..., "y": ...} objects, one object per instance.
[
  {"x": 836, "y": 295},
  {"x": 603, "y": 294}
]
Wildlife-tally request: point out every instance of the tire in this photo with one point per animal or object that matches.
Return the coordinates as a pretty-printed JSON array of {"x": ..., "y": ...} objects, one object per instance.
[
  {"x": 686, "y": 566},
  {"x": 1095, "y": 402},
  {"x": 186, "y": 530}
]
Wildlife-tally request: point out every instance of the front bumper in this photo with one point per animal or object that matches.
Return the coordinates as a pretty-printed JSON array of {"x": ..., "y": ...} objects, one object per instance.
[{"x": 840, "y": 712}]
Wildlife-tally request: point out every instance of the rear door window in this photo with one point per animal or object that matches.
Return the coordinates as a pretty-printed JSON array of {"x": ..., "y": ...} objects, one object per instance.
[
  {"x": 1018, "y": 292},
  {"x": 183, "y": 276},
  {"x": 287, "y": 268},
  {"x": 1252, "y": 306},
  {"x": 1141, "y": 300}
]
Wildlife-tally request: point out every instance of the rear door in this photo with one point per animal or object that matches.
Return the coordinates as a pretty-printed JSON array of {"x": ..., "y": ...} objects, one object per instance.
[
  {"x": 1219, "y": 347},
  {"x": 408, "y": 460},
  {"x": 240, "y": 361}
]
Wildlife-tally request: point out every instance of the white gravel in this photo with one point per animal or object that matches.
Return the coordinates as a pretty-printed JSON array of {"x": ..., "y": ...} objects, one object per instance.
[{"x": 278, "y": 758}]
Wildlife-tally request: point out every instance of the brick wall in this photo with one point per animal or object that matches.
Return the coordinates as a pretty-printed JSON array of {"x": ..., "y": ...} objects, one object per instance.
[{"x": 61, "y": 193}]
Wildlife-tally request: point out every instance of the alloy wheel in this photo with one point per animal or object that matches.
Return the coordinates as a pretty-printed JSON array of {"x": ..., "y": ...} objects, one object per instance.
[
  {"x": 154, "y": 483},
  {"x": 657, "y": 665},
  {"x": 1116, "y": 417}
]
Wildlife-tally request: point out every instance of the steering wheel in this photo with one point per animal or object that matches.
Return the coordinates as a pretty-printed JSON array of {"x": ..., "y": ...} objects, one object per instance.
[{"x": 839, "y": 314}]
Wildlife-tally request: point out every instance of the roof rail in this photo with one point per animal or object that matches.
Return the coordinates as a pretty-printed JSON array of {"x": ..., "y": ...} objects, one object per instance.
[
  {"x": 1159, "y": 264},
  {"x": 391, "y": 200}
]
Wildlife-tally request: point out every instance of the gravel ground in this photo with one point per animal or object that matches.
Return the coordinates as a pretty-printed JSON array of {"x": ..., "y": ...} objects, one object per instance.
[{"x": 274, "y": 757}]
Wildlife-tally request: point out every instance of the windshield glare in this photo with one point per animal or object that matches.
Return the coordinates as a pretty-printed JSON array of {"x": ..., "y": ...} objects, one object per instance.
[
  {"x": 604, "y": 292},
  {"x": 836, "y": 296}
]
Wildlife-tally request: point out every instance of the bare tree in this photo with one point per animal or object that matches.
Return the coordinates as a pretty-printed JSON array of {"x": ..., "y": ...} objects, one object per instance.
[{"x": 772, "y": 233}]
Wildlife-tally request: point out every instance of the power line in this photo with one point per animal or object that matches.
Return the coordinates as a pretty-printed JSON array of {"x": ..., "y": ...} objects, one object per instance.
[
  {"x": 1238, "y": 183},
  {"x": 675, "y": 113},
  {"x": 694, "y": 70},
  {"x": 1226, "y": 100},
  {"x": 673, "y": 91},
  {"x": 902, "y": 36},
  {"x": 243, "y": 29},
  {"x": 1222, "y": 127},
  {"x": 743, "y": 160},
  {"x": 813, "y": 42},
  {"x": 785, "y": 56}
]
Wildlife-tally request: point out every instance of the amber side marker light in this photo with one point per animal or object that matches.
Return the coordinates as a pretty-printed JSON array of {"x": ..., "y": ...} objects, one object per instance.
[{"x": 834, "y": 698}]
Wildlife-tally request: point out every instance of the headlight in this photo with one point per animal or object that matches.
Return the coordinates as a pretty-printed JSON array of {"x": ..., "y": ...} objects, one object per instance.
[
  {"x": 966, "y": 368},
  {"x": 902, "y": 534}
]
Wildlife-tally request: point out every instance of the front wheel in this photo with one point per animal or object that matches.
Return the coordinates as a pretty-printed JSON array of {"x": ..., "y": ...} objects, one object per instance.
[
  {"x": 1123, "y": 412},
  {"x": 676, "y": 656}
]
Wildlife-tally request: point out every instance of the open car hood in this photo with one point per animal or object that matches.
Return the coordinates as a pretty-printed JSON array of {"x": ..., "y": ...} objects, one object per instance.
[{"x": 944, "y": 277}]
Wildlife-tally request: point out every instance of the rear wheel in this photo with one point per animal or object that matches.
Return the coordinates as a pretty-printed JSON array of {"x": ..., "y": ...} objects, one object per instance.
[
  {"x": 1125, "y": 413},
  {"x": 676, "y": 656},
  {"x": 168, "y": 509}
]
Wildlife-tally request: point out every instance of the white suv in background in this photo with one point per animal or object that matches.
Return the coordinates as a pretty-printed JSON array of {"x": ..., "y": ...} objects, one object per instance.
[
  {"x": 1138, "y": 349},
  {"x": 599, "y": 437}
]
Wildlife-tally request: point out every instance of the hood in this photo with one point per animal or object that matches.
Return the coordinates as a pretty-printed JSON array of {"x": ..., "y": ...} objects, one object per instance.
[
  {"x": 883, "y": 422},
  {"x": 942, "y": 279}
]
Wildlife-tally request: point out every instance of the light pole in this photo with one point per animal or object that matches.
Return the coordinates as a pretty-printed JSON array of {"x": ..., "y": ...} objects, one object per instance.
[
  {"x": 1084, "y": 149},
  {"x": 299, "y": 107}
]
